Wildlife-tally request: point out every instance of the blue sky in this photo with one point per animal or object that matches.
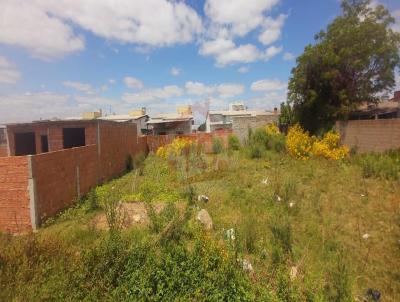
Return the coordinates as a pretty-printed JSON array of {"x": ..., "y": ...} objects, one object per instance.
[{"x": 60, "y": 58}]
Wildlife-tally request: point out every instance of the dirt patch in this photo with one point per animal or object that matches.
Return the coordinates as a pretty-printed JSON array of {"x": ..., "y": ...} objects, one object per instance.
[{"x": 134, "y": 213}]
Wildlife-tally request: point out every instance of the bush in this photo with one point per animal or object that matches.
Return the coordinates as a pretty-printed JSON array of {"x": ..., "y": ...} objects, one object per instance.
[
  {"x": 176, "y": 148},
  {"x": 256, "y": 151},
  {"x": 276, "y": 142},
  {"x": 217, "y": 146},
  {"x": 385, "y": 166},
  {"x": 233, "y": 142},
  {"x": 303, "y": 146}
]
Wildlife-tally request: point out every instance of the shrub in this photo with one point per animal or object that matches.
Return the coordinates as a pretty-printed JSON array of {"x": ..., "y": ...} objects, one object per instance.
[
  {"x": 176, "y": 148},
  {"x": 276, "y": 142},
  {"x": 259, "y": 137},
  {"x": 129, "y": 163},
  {"x": 217, "y": 146},
  {"x": 329, "y": 148},
  {"x": 256, "y": 151},
  {"x": 303, "y": 146},
  {"x": 272, "y": 129},
  {"x": 385, "y": 166},
  {"x": 233, "y": 142},
  {"x": 299, "y": 143}
]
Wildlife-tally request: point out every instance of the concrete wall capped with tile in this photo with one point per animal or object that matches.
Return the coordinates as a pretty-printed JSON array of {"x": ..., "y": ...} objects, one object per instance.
[
  {"x": 242, "y": 124},
  {"x": 370, "y": 135}
]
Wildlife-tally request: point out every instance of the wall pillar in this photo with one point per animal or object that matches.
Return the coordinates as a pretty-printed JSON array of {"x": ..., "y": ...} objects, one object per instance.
[{"x": 34, "y": 214}]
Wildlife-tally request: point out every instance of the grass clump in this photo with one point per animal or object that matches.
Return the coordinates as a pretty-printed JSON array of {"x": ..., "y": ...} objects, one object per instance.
[
  {"x": 233, "y": 142},
  {"x": 217, "y": 146},
  {"x": 385, "y": 166}
]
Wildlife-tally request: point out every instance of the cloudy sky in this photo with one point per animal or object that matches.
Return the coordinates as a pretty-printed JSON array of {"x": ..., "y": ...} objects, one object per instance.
[{"x": 59, "y": 58}]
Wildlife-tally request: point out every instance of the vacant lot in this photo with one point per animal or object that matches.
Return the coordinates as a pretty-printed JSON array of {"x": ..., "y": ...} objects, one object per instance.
[{"x": 283, "y": 230}]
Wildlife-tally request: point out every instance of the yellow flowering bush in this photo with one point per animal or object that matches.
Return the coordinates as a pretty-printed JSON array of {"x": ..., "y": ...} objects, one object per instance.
[
  {"x": 272, "y": 129},
  {"x": 329, "y": 147},
  {"x": 175, "y": 148},
  {"x": 302, "y": 146},
  {"x": 299, "y": 143}
]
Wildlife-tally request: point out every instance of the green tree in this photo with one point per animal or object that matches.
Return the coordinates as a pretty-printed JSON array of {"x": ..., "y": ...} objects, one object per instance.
[{"x": 351, "y": 62}]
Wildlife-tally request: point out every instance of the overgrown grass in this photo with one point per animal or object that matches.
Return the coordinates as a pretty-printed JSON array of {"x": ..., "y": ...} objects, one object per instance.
[
  {"x": 306, "y": 245},
  {"x": 385, "y": 166}
]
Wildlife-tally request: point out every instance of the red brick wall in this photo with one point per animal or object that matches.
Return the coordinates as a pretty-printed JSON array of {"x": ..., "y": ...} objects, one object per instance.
[
  {"x": 117, "y": 142},
  {"x": 56, "y": 173},
  {"x": 56, "y": 177},
  {"x": 370, "y": 135},
  {"x": 14, "y": 195},
  {"x": 156, "y": 141},
  {"x": 54, "y": 132},
  {"x": 3, "y": 150}
]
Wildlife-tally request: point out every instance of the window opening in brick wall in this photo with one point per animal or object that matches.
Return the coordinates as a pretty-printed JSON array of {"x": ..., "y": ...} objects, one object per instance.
[
  {"x": 73, "y": 137},
  {"x": 25, "y": 143}
]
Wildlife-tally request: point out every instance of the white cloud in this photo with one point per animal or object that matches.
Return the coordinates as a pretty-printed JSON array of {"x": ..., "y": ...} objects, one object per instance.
[
  {"x": 175, "y": 71},
  {"x": 111, "y": 81},
  {"x": 268, "y": 85},
  {"x": 132, "y": 82},
  {"x": 269, "y": 100},
  {"x": 227, "y": 53},
  {"x": 26, "y": 24},
  {"x": 230, "y": 90},
  {"x": 152, "y": 95},
  {"x": 230, "y": 19},
  {"x": 31, "y": 106},
  {"x": 9, "y": 74},
  {"x": 96, "y": 101},
  {"x": 244, "y": 69},
  {"x": 151, "y": 22},
  {"x": 28, "y": 106},
  {"x": 272, "y": 29},
  {"x": 44, "y": 27},
  {"x": 271, "y": 52},
  {"x": 288, "y": 56},
  {"x": 82, "y": 87},
  {"x": 241, "y": 15},
  {"x": 197, "y": 88}
]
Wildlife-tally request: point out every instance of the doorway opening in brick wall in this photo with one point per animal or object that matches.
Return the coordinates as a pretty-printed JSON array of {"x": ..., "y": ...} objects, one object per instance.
[
  {"x": 25, "y": 143},
  {"x": 73, "y": 137},
  {"x": 44, "y": 142}
]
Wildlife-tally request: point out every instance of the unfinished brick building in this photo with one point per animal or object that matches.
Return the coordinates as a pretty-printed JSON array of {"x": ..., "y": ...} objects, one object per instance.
[{"x": 46, "y": 165}]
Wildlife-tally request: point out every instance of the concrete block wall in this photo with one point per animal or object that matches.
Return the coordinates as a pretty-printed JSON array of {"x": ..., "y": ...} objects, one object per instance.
[
  {"x": 242, "y": 124},
  {"x": 370, "y": 135},
  {"x": 14, "y": 194}
]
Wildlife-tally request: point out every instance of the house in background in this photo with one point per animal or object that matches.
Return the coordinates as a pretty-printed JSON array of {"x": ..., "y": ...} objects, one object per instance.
[
  {"x": 138, "y": 117},
  {"x": 239, "y": 119},
  {"x": 172, "y": 123},
  {"x": 385, "y": 109}
]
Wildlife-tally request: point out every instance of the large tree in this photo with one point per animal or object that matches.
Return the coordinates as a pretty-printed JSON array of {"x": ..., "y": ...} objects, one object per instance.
[{"x": 351, "y": 62}]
